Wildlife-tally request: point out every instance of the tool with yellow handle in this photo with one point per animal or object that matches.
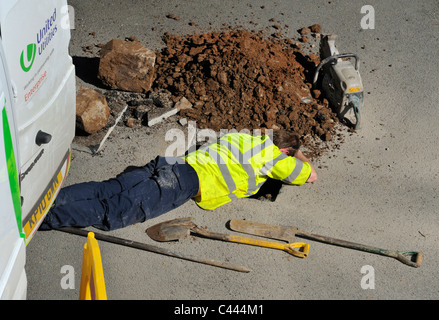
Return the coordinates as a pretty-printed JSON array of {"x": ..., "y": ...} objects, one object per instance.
[
  {"x": 292, "y": 248},
  {"x": 180, "y": 228},
  {"x": 288, "y": 233}
]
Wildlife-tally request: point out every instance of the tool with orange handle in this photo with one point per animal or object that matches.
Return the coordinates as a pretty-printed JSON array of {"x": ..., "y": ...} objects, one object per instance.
[
  {"x": 288, "y": 233},
  {"x": 180, "y": 228}
]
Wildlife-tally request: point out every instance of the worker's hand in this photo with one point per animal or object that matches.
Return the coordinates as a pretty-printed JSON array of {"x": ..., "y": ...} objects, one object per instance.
[{"x": 313, "y": 177}]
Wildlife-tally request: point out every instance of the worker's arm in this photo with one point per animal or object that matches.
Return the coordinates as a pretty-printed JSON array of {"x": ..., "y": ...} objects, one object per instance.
[
  {"x": 294, "y": 169},
  {"x": 313, "y": 176}
]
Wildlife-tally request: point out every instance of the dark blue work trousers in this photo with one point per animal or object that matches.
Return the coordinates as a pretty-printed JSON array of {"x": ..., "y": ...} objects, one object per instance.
[{"x": 136, "y": 195}]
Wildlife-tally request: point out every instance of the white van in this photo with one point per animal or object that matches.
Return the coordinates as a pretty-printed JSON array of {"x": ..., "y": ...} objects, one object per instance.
[{"x": 37, "y": 102}]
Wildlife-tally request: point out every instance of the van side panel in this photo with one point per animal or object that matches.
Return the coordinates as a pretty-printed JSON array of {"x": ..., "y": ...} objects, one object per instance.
[
  {"x": 13, "y": 282},
  {"x": 11, "y": 165},
  {"x": 36, "y": 36}
]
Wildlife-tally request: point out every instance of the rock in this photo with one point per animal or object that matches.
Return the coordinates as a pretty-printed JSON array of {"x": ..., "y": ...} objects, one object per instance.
[
  {"x": 212, "y": 85},
  {"x": 131, "y": 122},
  {"x": 183, "y": 104},
  {"x": 92, "y": 111},
  {"x": 313, "y": 58},
  {"x": 316, "y": 93},
  {"x": 326, "y": 136},
  {"x": 222, "y": 77},
  {"x": 304, "y": 39},
  {"x": 304, "y": 31},
  {"x": 316, "y": 28},
  {"x": 127, "y": 66},
  {"x": 172, "y": 16}
]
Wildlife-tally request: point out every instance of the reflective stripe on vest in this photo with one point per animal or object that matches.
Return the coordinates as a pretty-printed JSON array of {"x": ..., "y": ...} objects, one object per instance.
[
  {"x": 237, "y": 165},
  {"x": 294, "y": 174},
  {"x": 243, "y": 159},
  {"x": 297, "y": 170},
  {"x": 225, "y": 172}
]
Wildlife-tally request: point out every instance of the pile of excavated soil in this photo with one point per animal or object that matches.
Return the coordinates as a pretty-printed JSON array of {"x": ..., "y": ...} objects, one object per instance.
[{"x": 238, "y": 79}]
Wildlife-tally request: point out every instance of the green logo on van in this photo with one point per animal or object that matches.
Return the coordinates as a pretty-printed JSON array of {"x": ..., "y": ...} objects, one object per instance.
[{"x": 27, "y": 60}]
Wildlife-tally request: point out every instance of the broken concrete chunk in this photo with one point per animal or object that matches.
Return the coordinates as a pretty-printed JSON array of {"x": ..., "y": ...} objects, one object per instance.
[
  {"x": 127, "y": 66},
  {"x": 92, "y": 111},
  {"x": 162, "y": 98},
  {"x": 157, "y": 115},
  {"x": 142, "y": 110}
]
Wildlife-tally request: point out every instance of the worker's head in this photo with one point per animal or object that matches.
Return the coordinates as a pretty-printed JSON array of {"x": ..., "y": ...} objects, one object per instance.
[{"x": 287, "y": 141}]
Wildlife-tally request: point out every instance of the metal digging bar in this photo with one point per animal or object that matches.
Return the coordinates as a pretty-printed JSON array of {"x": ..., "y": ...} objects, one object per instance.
[{"x": 152, "y": 248}]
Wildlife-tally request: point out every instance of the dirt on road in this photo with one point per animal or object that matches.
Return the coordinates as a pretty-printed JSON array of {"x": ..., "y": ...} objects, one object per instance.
[
  {"x": 240, "y": 79},
  {"x": 237, "y": 79}
]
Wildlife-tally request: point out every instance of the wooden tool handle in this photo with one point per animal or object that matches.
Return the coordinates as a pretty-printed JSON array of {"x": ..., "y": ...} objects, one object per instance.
[
  {"x": 288, "y": 247},
  {"x": 410, "y": 258}
]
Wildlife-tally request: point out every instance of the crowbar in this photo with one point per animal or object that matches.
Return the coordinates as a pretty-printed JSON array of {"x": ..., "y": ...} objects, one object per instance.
[{"x": 152, "y": 248}]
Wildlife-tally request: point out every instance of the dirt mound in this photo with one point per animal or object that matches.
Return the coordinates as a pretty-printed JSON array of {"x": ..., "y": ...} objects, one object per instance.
[{"x": 237, "y": 79}]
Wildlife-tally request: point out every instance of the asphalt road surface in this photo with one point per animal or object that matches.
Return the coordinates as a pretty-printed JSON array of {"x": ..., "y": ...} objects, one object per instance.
[{"x": 379, "y": 188}]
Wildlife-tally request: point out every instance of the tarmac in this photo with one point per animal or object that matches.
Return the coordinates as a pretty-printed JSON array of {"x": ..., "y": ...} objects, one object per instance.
[{"x": 380, "y": 188}]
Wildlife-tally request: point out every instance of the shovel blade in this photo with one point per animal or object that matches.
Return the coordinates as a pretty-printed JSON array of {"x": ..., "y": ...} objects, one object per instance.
[{"x": 171, "y": 230}]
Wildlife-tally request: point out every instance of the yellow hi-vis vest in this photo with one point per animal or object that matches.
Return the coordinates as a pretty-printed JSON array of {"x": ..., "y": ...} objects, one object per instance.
[{"x": 238, "y": 165}]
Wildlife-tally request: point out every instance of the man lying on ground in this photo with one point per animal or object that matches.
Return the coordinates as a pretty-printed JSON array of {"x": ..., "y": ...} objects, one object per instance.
[{"x": 236, "y": 166}]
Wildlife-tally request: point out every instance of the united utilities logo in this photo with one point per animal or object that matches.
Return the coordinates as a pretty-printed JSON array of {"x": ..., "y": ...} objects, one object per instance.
[
  {"x": 27, "y": 59},
  {"x": 43, "y": 39}
]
